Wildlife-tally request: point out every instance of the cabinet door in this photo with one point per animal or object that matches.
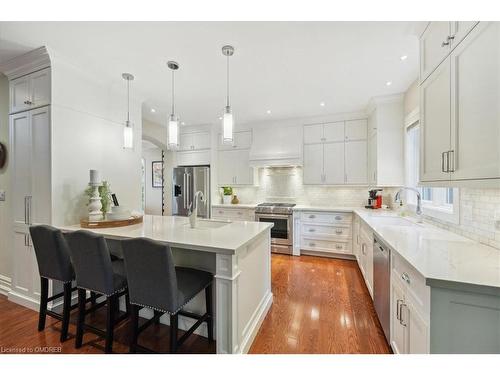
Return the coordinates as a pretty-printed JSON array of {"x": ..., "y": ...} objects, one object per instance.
[
  {"x": 435, "y": 124},
  {"x": 475, "y": 92},
  {"x": 333, "y": 132},
  {"x": 40, "y": 142},
  {"x": 417, "y": 330},
  {"x": 186, "y": 142},
  {"x": 356, "y": 162},
  {"x": 355, "y": 130},
  {"x": 434, "y": 47},
  {"x": 313, "y": 164},
  {"x": 225, "y": 168},
  {"x": 243, "y": 173},
  {"x": 369, "y": 266},
  {"x": 201, "y": 141},
  {"x": 333, "y": 163},
  {"x": 241, "y": 140},
  {"x": 355, "y": 237},
  {"x": 21, "y": 148},
  {"x": 372, "y": 159},
  {"x": 313, "y": 133},
  {"x": 459, "y": 29},
  {"x": 397, "y": 328},
  {"x": 40, "y": 88},
  {"x": 19, "y": 94},
  {"x": 23, "y": 264}
]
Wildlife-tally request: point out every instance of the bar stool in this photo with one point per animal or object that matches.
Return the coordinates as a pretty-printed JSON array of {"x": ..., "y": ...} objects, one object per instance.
[
  {"x": 52, "y": 256},
  {"x": 97, "y": 273},
  {"x": 154, "y": 282}
]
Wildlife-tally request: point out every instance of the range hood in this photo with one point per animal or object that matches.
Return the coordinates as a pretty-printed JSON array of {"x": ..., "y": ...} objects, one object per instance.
[{"x": 276, "y": 146}]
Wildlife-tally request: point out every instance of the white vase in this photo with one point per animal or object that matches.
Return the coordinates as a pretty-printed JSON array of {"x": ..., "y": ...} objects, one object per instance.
[{"x": 226, "y": 199}]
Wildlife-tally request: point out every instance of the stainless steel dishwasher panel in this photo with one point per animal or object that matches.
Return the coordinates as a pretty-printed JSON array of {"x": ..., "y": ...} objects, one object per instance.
[{"x": 382, "y": 285}]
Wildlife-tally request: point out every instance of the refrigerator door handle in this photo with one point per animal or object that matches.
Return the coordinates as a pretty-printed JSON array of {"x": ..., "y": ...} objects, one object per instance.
[
  {"x": 188, "y": 195},
  {"x": 184, "y": 190}
]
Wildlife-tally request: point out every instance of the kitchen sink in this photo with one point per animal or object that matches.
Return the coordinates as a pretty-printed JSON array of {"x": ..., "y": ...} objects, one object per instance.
[{"x": 393, "y": 220}]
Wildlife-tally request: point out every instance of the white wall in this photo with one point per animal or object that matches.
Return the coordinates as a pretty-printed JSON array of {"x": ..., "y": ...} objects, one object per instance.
[
  {"x": 153, "y": 195},
  {"x": 87, "y": 133},
  {"x": 5, "y": 216}
]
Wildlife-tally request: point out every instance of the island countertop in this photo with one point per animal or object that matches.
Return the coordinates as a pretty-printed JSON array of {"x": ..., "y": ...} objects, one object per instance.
[{"x": 176, "y": 231}]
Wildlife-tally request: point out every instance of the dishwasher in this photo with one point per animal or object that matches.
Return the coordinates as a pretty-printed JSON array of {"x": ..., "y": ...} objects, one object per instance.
[{"x": 382, "y": 284}]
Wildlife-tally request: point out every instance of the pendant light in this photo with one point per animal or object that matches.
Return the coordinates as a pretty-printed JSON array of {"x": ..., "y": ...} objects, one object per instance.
[
  {"x": 227, "y": 117},
  {"x": 128, "y": 132},
  {"x": 173, "y": 120}
]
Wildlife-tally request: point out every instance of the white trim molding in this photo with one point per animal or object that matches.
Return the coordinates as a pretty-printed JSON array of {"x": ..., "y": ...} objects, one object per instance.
[
  {"x": 5, "y": 285},
  {"x": 27, "y": 63}
]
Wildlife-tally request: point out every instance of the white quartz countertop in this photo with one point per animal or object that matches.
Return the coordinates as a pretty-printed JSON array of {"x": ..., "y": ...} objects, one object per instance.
[
  {"x": 300, "y": 207},
  {"x": 239, "y": 205},
  {"x": 436, "y": 253},
  {"x": 176, "y": 231}
]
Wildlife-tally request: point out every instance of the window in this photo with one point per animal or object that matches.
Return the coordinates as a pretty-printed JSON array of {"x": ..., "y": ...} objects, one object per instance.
[{"x": 441, "y": 203}]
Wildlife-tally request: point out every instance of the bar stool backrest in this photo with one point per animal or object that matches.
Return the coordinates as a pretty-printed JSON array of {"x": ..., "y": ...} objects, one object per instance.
[
  {"x": 92, "y": 261},
  {"x": 52, "y": 253},
  {"x": 151, "y": 275}
]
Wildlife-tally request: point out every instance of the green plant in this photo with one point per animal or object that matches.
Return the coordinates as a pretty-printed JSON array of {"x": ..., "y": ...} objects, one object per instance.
[{"x": 227, "y": 190}]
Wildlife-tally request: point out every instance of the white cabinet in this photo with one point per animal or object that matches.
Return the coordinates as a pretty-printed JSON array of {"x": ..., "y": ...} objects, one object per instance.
[
  {"x": 355, "y": 130},
  {"x": 313, "y": 133},
  {"x": 234, "y": 168},
  {"x": 460, "y": 29},
  {"x": 328, "y": 132},
  {"x": 233, "y": 213},
  {"x": 434, "y": 46},
  {"x": 460, "y": 124},
  {"x": 397, "y": 328},
  {"x": 333, "y": 163},
  {"x": 30, "y": 91},
  {"x": 356, "y": 162},
  {"x": 366, "y": 256},
  {"x": 241, "y": 140},
  {"x": 355, "y": 237},
  {"x": 313, "y": 164},
  {"x": 194, "y": 141}
]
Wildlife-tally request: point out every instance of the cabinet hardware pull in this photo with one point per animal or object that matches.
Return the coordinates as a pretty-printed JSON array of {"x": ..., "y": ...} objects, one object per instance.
[
  {"x": 338, "y": 217},
  {"x": 401, "y": 314},
  {"x": 450, "y": 37},
  {"x": 338, "y": 231},
  {"x": 338, "y": 246},
  {"x": 450, "y": 160},
  {"x": 405, "y": 277},
  {"x": 444, "y": 44},
  {"x": 443, "y": 169},
  {"x": 312, "y": 216},
  {"x": 312, "y": 230},
  {"x": 29, "y": 211},
  {"x": 26, "y": 210},
  {"x": 312, "y": 244},
  {"x": 397, "y": 308}
]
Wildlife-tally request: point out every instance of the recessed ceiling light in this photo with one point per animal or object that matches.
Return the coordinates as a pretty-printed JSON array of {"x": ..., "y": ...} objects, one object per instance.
[
  {"x": 388, "y": 83},
  {"x": 268, "y": 111},
  {"x": 322, "y": 104},
  {"x": 153, "y": 110},
  {"x": 404, "y": 57},
  {"x": 220, "y": 117},
  {"x": 183, "y": 123}
]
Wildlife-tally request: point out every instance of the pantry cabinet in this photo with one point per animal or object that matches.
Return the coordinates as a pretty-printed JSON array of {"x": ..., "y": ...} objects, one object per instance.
[
  {"x": 30, "y": 91},
  {"x": 460, "y": 124}
]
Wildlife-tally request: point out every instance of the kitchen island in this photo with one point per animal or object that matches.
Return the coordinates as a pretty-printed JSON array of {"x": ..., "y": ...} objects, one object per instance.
[{"x": 237, "y": 253}]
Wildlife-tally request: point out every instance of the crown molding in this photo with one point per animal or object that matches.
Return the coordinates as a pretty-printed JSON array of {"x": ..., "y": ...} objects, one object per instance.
[
  {"x": 386, "y": 99},
  {"x": 29, "y": 62}
]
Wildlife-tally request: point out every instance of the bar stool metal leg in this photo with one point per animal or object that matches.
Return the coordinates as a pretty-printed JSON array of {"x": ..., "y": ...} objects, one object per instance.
[
  {"x": 44, "y": 295},
  {"x": 210, "y": 319},
  {"x": 66, "y": 311},
  {"x": 81, "y": 317},
  {"x": 174, "y": 322}
]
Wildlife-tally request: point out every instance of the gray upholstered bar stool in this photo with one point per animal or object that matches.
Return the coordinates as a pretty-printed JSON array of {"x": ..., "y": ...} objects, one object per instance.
[
  {"x": 52, "y": 256},
  {"x": 154, "y": 282},
  {"x": 97, "y": 273}
]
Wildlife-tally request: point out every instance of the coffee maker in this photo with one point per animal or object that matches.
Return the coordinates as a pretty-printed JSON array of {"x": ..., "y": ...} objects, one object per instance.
[{"x": 374, "y": 198}]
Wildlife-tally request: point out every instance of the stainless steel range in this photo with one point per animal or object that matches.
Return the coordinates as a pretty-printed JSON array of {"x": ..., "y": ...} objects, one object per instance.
[{"x": 280, "y": 214}]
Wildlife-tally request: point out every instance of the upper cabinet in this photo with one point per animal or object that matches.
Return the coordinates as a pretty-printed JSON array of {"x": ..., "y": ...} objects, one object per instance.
[
  {"x": 460, "y": 123},
  {"x": 437, "y": 41},
  {"x": 234, "y": 161},
  {"x": 194, "y": 141},
  {"x": 241, "y": 141},
  {"x": 335, "y": 153},
  {"x": 30, "y": 91}
]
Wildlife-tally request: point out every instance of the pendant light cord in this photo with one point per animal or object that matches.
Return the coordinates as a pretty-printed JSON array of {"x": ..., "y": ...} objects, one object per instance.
[
  {"x": 227, "y": 87},
  {"x": 128, "y": 101},
  {"x": 173, "y": 96}
]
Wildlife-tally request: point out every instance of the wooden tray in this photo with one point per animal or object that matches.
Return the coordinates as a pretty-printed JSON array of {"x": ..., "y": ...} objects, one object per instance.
[{"x": 110, "y": 223}]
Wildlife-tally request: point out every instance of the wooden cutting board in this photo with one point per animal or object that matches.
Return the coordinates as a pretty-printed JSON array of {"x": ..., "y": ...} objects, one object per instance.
[{"x": 111, "y": 223}]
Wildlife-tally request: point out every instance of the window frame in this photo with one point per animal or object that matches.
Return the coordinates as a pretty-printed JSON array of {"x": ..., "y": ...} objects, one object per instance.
[{"x": 437, "y": 207}]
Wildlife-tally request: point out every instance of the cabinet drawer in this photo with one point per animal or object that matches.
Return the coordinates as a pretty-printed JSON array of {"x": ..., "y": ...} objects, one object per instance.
[
  {"x": 413, "y": 281},
  {"x": 326, "y": 231},
  {"x": 326, "y": 246},
  {"x": 327, "y": 217},
  {"x": 233, "y": 214}
]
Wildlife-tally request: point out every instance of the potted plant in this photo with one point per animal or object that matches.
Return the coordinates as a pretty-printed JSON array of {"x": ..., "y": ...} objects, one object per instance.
[{"x": 227, "y": 194}]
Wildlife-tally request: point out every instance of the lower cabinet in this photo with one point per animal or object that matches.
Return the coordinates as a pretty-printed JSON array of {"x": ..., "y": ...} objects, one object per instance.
[
  {"x": 366, "y": 255},
  {"x": 410, "y": 309},
  {"x": 233, "y": 213}
]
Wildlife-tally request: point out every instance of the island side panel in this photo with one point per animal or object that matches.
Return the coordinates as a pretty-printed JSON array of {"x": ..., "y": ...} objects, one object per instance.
[{"x": 243, "y": 290}]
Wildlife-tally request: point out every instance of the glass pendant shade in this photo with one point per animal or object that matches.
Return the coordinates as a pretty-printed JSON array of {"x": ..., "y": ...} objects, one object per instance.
[
  {"x": 173, "y": 132},
  {"x": 128, "y": 136},
  {"x": 227, "y": 126}
]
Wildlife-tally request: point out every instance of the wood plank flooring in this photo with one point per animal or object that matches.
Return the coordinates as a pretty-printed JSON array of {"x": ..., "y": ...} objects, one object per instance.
[{"x": 320, "y": 305}]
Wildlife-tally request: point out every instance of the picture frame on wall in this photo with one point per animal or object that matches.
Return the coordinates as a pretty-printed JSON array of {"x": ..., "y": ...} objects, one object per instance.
[{"x": 157, "y": 174}]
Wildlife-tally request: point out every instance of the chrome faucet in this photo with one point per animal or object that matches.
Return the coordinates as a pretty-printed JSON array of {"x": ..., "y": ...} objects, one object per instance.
[{"x": 419, "y": 200}]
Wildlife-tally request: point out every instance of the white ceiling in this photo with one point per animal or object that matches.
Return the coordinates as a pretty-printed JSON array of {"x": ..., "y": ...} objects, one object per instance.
[{"x": 285, "y": 67}]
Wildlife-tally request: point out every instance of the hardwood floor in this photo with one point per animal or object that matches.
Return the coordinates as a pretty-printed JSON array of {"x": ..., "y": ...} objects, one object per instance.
[{"x": 320, "y": 305}]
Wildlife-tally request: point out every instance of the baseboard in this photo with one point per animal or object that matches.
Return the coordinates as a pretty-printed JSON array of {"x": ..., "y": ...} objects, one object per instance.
[
  {"x": 25, "y": 301},
  {"x": 325, "y": 254},
  {"x": 5, "y": 285},
  {"x": 253, "y": 326}
]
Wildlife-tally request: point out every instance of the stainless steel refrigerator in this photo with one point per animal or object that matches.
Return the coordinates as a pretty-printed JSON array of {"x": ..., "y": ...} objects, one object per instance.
[{"x": 186, "y": 182}]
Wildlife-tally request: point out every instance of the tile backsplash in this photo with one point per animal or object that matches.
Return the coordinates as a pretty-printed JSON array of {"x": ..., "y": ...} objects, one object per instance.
[
  {"x": 285, "y": 185},
  {"x": 477, "y": 216}
]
